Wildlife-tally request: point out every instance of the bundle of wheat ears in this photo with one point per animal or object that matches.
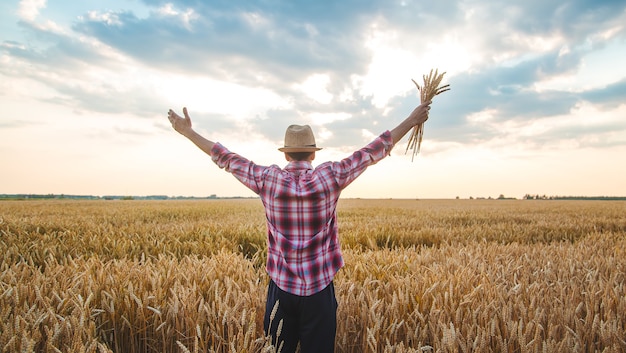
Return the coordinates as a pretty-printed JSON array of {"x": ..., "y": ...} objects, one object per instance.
[{"x": 428, "y": 91}]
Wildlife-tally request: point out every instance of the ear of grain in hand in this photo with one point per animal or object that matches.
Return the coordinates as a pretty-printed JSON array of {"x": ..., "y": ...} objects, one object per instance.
[{"x": 427, "y": 91}]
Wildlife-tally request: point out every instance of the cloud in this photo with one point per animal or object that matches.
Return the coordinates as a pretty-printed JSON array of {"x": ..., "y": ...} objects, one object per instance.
[
  {"x": 344, "y": 66},
  {"x": 609, "y": 96},
  {"x": 17, "y": 123},
  {"x": 29, "y": 9}
]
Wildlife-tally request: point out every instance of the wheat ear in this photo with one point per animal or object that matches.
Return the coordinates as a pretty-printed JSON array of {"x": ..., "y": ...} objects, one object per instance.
[{"x": 428, "y": 91}]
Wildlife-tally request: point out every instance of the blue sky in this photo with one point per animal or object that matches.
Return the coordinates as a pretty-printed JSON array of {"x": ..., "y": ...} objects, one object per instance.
[{"x": 537, "y": 105}]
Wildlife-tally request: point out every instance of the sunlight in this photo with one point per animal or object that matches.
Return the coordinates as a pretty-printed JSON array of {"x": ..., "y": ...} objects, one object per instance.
[
  {"x": 314, "y": 87},
  {"x": 211, "y": 96},
  {"x": 449, "y": 55},
  {"x": 392, "y": 67},
  {"x": 326, "y": 118},
  {"x": 389, "y": 70}
]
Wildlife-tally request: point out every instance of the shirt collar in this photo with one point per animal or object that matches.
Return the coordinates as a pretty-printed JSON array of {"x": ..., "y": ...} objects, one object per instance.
[{"x": 298, "y": 166}]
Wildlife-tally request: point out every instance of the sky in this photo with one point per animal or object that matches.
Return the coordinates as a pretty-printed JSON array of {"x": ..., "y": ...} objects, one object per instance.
[{"x": 537, "y": 102}]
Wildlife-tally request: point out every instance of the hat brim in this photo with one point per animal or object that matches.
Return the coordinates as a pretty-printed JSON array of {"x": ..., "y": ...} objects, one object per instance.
[{"x": 299, "y": 149}]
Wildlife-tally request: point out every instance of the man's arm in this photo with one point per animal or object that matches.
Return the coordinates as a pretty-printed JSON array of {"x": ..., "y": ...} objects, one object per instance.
[
  {"x": 183, "y": 126},
  {"x": 418, "y": 116}
]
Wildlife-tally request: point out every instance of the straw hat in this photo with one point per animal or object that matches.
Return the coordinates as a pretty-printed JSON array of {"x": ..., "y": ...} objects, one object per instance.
[{"x": 299, "y": 138}]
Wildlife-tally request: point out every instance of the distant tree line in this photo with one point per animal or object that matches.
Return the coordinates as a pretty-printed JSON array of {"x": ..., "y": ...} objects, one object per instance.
[
  {"x": 213, "y": 196},
  {"x": 600, "y": 198},
  {"x": 108, "y": 197},
  {"x": 546, "y": 197}
]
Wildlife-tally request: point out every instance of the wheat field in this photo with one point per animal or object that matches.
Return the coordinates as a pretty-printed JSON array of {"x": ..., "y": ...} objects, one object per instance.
[{"x": 420, "y": 276}]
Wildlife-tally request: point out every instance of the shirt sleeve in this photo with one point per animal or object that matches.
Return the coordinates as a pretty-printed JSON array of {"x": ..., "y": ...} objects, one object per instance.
[
  {"x": 244, "y": 170},
  {"x": 348, "y": 169}
]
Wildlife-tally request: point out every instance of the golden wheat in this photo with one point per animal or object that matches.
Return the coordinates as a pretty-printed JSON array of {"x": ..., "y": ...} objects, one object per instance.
[
  {"x": 420, "y": 276},
  {"x": 430, "y": 88}
]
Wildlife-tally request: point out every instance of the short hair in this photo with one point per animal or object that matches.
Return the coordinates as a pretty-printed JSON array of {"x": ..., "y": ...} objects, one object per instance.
[{"x": 299, "y": 156}]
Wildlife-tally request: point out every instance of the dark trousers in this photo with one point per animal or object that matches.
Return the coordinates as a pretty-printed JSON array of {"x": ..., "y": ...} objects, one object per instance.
[{"x": 310, "y": 320}]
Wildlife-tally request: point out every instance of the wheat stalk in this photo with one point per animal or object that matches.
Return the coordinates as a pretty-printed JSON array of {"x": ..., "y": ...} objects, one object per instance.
[{"x": 428, "y": 91}]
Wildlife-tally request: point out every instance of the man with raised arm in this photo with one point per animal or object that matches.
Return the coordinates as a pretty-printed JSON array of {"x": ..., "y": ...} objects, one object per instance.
[{"x": 303, "y": 252}]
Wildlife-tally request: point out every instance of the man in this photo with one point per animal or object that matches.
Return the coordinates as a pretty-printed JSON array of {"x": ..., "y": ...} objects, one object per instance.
[{"x": 300, "y": 206}]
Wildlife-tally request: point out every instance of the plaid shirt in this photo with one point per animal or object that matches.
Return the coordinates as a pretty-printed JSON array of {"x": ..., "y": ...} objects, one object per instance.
[{"x": 303, "y": 253}]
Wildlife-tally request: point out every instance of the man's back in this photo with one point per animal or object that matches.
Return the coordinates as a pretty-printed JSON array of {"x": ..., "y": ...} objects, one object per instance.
[{"x": 300, "y": 202}]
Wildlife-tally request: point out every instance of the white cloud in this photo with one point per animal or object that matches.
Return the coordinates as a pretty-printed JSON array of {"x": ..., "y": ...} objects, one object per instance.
[
  {"x": 109, "y": 18},
  {"x": 558, "y": 132},
  {"x": 255, "y": 20},
  {"x": 393, "y": 64},
  {"x": 326, "y": 118},
  {"x": 186, "y": 17},
  {"x": 29, "y": 9},
  {"x": 314, "y": 87},
  {"x": 481, "y": 116},
  {"x": 598, "y": 69},
  {"x": 452, "y": 53},
  {"x": 202, "y": 94}
]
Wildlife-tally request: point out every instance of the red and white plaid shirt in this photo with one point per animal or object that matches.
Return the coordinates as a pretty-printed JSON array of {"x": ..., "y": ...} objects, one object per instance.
[{"x": 303, "y": 253}]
